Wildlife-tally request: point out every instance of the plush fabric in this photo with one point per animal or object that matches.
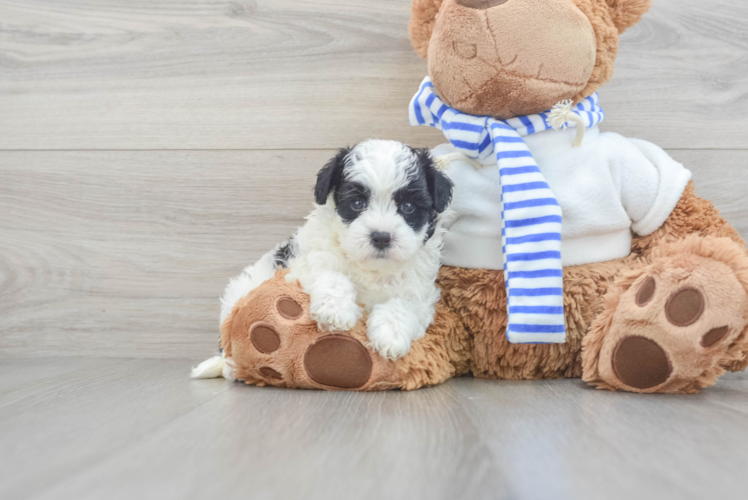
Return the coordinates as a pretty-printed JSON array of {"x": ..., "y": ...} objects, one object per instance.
[
  {"x": 536, "y": 60},
  {"x": 502, "y": 48},
  {"x": 264, "y": 346},
  {"x": 665, "y": 354},
  {"x": 421, "y": 24},
  {"x": 626, "y": 13}
]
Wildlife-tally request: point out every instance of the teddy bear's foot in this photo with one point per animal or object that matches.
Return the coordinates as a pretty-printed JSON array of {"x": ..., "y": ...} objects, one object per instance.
[
  {"x": 271, "y": 339},
  {"x": 676, "y": 325}
]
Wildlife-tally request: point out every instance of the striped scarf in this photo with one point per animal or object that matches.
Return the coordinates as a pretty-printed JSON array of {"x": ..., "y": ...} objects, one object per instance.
[{"x": 531, "y": 215}]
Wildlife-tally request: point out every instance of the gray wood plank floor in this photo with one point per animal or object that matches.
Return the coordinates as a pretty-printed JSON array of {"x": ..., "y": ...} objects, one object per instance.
[
  {"x": 149, "y": 150},
  {"x": 92, "y": 429}
]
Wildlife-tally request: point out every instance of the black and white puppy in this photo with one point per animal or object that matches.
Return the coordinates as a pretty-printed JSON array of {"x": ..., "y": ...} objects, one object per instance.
[{"x": 373, "y": 239}]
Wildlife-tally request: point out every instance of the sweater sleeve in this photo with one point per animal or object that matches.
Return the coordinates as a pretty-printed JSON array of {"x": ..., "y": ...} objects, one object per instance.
[{"x": 652, "y": 183}]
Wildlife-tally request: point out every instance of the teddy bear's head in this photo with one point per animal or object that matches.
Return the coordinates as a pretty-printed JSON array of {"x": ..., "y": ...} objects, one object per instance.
[{"x": 508, "y": 58}]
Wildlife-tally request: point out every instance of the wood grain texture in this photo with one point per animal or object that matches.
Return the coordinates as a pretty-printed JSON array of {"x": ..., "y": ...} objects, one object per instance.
[
  {"x": 60, "y": 416},
  {"x": 123, "y": 252},
  {"x": 179, "y": 74},
  {"x": 123, "y": 429},
  {"x": 126, "y": 253}
]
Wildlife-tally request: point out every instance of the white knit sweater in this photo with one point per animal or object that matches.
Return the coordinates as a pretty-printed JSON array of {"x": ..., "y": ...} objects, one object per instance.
[{"x": 607, "y": 188}]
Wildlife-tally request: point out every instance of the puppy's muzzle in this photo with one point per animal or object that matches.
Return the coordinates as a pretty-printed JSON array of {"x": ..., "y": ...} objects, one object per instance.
[{"x": 380, "y": 240}]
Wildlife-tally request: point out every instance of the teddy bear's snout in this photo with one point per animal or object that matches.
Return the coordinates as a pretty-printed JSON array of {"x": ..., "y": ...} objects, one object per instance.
[
  {"x": 480, "y": 4},
  {"x": 498, "y": 51}
]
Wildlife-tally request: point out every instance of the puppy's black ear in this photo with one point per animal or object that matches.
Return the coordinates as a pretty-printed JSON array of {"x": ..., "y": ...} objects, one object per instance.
[
  {"x": 331, "y": 176},
  {"x": 440, "y": 187}
]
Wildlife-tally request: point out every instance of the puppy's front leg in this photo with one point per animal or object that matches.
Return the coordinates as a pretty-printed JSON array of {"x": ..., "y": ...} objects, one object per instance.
[
  {"x": 392, "y": 326},
  {"x": 333, "y": 302}
]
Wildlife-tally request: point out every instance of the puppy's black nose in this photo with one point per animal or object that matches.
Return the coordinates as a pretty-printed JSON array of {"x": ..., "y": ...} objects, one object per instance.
[{"x": 381, "y": 240}]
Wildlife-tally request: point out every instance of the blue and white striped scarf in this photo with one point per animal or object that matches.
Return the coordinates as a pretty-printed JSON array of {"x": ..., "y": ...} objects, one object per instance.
[{"x": 531, "y": 215}]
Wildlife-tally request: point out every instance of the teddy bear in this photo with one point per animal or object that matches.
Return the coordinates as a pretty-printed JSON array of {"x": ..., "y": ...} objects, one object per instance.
[{"x": 646, "y": 286}]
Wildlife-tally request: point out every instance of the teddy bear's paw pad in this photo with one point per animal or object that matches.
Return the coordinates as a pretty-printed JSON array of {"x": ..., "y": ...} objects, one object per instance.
[
  {"x": 338, "y": 361},
  {"x": 641, "y": 363}
]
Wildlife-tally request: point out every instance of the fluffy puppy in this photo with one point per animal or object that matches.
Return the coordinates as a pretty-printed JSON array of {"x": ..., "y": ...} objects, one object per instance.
[{"x": 372, "y": 243}]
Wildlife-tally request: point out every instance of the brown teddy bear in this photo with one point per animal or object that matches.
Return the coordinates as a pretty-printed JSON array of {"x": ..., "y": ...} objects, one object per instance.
[{"x": 669, "y": 314}]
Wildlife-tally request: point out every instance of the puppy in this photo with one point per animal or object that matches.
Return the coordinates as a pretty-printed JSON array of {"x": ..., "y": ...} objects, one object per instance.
[{"x": 372, "y": 243}]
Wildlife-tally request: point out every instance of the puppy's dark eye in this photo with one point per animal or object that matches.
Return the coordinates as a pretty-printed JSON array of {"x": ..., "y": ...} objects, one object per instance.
[
  {"x": 358, "y": 204},
  {"x": 408, "y": 208}
]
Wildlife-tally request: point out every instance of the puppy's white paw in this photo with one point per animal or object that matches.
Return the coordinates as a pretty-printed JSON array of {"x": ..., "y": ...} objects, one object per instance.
[
  {"x": 392, "y": 326},
  {"x": 333, "y": 305},
  {"x": 390, "y": 339},
  {"x": 335, "y": 315}
]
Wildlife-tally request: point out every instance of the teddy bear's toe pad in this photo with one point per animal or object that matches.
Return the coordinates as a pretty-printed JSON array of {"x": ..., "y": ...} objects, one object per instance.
[
  {"x": 713, "y": 336},
  {"x": 685, "y": 307},
  {"x": 289, "y": 308},
  {"x": 270, "y": 373},
  {"x": 264, "y": 338}
]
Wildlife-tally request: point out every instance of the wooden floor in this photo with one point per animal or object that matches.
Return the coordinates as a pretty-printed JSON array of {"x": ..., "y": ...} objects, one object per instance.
[
  {"x": 151, "y": 149},
  {"x": 100, "y": 428}
]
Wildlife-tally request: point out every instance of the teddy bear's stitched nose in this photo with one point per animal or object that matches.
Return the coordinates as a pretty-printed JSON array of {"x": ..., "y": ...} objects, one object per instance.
[{"x": 480, "y": 4}]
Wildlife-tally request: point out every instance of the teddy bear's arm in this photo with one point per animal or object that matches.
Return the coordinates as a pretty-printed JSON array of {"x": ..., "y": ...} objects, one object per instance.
[
  {"x": 692, "y": 215},
  {"x": 651, "y": 182}
]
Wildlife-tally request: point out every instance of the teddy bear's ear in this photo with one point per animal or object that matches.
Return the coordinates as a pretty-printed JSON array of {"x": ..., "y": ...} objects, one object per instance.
[
  {"x": 422, "y": 18},
  {"x": 627, "y": 13}
]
